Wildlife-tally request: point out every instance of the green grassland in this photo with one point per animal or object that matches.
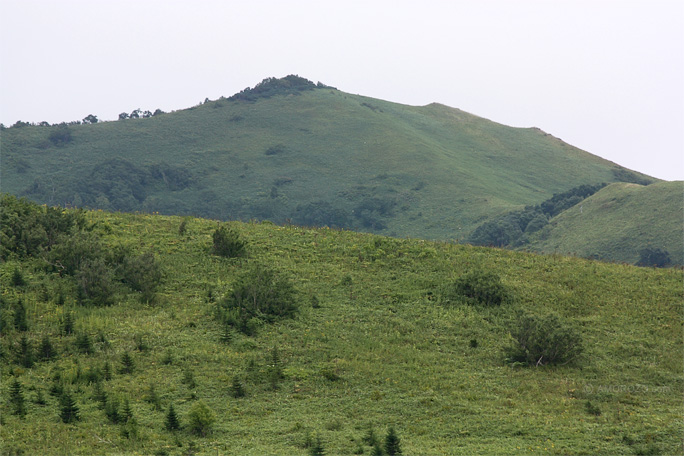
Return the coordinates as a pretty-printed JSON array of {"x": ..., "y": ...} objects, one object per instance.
[
  {"x": 318, "y": 157},
  {"x": 372, "y": 345},
  {"x": 617, "y": 222}
]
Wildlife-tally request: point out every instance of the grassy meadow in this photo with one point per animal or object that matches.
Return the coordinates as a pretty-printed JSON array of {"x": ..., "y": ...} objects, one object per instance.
[{"x": 372, "y": 346}]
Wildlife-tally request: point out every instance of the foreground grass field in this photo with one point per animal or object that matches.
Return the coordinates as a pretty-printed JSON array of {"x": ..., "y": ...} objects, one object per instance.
[{"x": 372, "y": 347}]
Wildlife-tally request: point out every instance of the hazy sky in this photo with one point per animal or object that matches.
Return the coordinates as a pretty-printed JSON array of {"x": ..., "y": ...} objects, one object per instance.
[{"x": 605, "y": 76}]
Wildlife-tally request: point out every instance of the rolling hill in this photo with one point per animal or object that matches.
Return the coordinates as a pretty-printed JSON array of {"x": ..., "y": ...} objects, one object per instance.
[
  {"x": 617, "y": 222},
  {"x": 289, "y": 150},
  {"x": 110, "y": 320}
]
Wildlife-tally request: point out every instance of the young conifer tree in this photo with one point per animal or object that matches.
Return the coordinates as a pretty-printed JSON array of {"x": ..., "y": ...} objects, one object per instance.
[
  {"x": 20, "y": 321},
  {"x": 24, "y": 352},
  {"x": 127, "y": 363},
  {"x": 68, "y": 409},
  {"x": 392, "y": 446},
  {"x": 16, "y": 399},
  {"x": 47, "y": 350},
  {"x": 171, "y": 423}
]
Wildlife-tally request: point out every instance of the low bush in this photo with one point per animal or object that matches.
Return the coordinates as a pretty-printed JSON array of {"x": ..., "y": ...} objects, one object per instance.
[
  {"x": 259, "y": 296},
  {"x": 200, "y": 419},
  {"x": 540, "y": 340},
  {"x": 478, "y": 288},
  {"x": 227, "y": 243}
]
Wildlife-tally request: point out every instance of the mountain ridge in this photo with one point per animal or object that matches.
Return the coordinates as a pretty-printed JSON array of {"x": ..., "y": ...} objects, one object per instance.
[{"x": 315, "y": 156}]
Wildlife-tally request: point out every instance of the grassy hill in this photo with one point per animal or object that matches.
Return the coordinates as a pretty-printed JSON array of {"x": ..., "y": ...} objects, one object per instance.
[
  {"x": 377, "y": 342},
  {"x": 289, "y": 150},
  {"x": 617, "y": 222}
]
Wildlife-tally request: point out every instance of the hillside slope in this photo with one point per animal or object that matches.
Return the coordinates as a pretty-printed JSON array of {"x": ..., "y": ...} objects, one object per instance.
[
  {"x": 372, "y": 346},
  {"x": 312, "y": 155},
  {"x": 617, "y": 222}
]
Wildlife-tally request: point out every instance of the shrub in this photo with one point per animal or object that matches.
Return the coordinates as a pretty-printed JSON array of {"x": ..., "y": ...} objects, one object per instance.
[
  {"x": 60, "y": 135},
  {"x": 200, "y": 419},
  {"x": 477, "y": 287},
  {"x": 95, "y": 285},
  {"x": 142, "y": 273},
  {"x": 227, "y": 243},
  {"x": 543, "y": 340},
  {"x": 592, "y": 409},
  {"x": 258, "y": 296}
]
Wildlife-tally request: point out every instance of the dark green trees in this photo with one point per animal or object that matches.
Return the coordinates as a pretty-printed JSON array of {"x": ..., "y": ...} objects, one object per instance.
[
  {"x": 60, "y": 135},
  {"x": 317, "y": 448},
  {"x": 655, "y": 257}
]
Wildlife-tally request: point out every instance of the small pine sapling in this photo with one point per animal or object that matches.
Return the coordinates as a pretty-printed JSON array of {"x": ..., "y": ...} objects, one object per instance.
[
  {"x": 171, "y": 423},
  {"x": 68, "y": 409},
  {"x": 392, "y": 445},
  {"x": 16, "y": 399},
  {"x": 46, "y": 351},
  {"x": 24, "y": 352},
  {"x": 20, "y": 321},
  {"x": 127, "y": 363},
  {"x": 317, "y": 448},
  {"x": 236, "y": 388}
]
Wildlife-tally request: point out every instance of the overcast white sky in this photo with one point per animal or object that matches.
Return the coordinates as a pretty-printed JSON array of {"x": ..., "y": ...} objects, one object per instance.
[{"x": 605, "y": 76}]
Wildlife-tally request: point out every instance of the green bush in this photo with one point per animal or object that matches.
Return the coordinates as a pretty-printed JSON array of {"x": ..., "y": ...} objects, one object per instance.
[
  {"x": 476, "y": 287},
  {"x": 543, "y": 340},
  {"x": 258, "y": 296},
  {"x": 142, "y": 274},
  {"x": 200, "y": 419},
  {"x": 95, "y": 285},
  {"x": 227, "y": 243}
]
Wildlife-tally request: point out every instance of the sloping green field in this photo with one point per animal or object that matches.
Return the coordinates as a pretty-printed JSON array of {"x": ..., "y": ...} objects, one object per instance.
[
  {"x": 618, "y": 221},
  {"x": 373, "y": 345}
]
